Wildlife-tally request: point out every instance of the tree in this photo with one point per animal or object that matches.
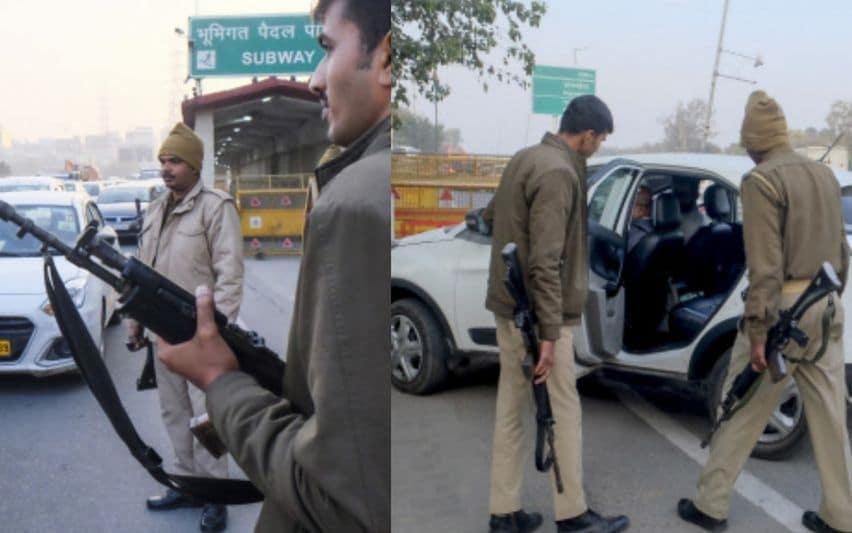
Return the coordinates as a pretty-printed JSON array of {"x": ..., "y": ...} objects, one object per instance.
[
  {"x": 839, "y": 121},
  {"x": 683, "y": 130},
  {"x": 5, "y": 169},
  {"x": 428, "y": 34},
  {"x": 419, "y": 132}
]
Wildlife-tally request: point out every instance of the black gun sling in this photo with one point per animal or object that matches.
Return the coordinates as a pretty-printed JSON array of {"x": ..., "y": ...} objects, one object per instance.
[{"x": 94, "y": 372}]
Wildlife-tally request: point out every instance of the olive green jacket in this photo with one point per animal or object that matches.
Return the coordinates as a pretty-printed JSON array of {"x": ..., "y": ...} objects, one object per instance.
[
  {"x": 792, "y": 223},
  {"x": 321, "y": 454},
  {"x": 540, "y": 205}
]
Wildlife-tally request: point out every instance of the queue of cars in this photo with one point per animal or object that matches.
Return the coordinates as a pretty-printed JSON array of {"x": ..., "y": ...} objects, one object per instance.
[
  {"x": 666, "y": 308},
  {"x": 30, "y": 339}
]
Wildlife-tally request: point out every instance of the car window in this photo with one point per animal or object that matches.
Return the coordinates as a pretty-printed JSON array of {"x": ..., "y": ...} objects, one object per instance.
[
  {"x": 62, "y": 221},
  {"x": 609, "y": 195}
]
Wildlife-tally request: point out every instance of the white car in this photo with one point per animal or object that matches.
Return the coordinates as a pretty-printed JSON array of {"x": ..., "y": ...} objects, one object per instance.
[
  {"x": 30, "y": 339},
  {"x": 667, "y": 308}
]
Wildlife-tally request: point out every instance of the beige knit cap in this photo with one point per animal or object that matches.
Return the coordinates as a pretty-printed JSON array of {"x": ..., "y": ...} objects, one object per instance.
[
  {"x": 764, "y": 126},
  {"x": 185, "y": 144}
]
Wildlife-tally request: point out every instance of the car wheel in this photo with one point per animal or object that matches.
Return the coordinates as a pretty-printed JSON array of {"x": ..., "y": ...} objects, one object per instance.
[
  {"x": 418, "y": 350},
  {"x": 786, "y": 426}
]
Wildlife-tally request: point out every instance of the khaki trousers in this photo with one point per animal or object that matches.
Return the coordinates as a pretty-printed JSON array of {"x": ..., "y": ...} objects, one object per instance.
[
  {"x": 180, "y": 400},
  {"x": 514, "y": 427},
  {"x": 823, "y": 390}
]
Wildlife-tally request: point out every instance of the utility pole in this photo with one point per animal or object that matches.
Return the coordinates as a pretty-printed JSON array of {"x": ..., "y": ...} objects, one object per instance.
[
  {"x": 758, "y": 61},
  {"x": 713, "y": 78}
]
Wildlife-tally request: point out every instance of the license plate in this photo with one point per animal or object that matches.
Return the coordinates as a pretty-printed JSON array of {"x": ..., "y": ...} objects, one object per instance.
[{"x": 5, "y": 348}]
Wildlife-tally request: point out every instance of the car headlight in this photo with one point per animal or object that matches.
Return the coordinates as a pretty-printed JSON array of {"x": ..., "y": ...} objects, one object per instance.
[{"x": 76, "y": 290}]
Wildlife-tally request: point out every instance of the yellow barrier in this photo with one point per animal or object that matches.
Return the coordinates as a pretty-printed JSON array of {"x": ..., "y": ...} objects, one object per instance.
[
  {"x": 423, "y": 205},
  {"x": 272, "y": 213}
]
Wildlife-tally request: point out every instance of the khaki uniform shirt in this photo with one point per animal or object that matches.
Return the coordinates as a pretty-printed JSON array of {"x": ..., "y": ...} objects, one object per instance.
[
  {"x": 792, "y": 223},
  {"x": 197, "y": 241}
]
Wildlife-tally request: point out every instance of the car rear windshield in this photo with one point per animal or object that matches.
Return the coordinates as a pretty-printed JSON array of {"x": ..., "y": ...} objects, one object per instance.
[
  {"x": 115, "y": 195},
  {"x": 59, "y": 220},
  {"x": 11, "y": 187}
]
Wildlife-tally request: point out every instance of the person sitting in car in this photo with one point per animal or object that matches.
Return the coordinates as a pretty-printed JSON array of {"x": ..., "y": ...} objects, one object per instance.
[
  {"x": 640, "y": 218},
  {"x": 686, "y": 190}
]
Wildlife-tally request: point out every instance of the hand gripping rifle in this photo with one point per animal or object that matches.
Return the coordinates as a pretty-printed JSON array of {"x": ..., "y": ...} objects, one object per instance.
[
  {"x": 166, "y": 309},
  {"x": 525, "y": 321},
  {"x": 777, "y": 338}
]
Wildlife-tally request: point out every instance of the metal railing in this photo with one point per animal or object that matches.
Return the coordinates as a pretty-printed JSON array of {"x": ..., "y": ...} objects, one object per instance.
[{"x": 442, "y": 168}]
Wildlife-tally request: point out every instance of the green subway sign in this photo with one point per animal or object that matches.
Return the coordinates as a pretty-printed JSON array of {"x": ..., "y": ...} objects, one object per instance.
[
  {"x": 555, "y": 87},
  {"x": 253, "y": 45}
]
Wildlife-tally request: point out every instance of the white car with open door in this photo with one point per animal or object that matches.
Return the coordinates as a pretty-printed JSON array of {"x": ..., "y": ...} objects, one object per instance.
[
  {"x": 667, "y": 307},
  {"x": 30, "y": 339}
]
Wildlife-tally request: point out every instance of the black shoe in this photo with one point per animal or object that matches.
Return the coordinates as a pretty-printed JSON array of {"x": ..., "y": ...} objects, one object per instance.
[
  {"x": 592, "y": 522},
  {"x": 517, "y": 522},
  {"x": 687, "y": 511},
  {"x": 172, "y": 499},
  {"x": 812, "y": 521},
  {"x": 214, "y": 517}
]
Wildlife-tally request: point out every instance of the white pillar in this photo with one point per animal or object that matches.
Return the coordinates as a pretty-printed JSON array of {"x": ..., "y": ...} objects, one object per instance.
[{"x": 204, "y": 128}]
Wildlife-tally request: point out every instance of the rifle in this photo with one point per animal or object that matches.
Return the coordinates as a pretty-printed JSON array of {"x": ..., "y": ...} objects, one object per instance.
[
  {"x": 777, "y": 338},
  {"x": 153, "y": 300},
  {"x": 525, "y": 321},
  {"x": 166, "y": 309}
]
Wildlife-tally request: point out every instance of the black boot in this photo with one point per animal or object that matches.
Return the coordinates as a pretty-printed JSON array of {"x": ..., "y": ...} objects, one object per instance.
[
  {"x": 172, "y": 499},
  {"x": 687, "y": 511},
  {"x": 812, "y": 521},
  {"x": 592, "y": 522},
  {"x": 214, "y": 517},
  {"x": 517, "y": 522}
]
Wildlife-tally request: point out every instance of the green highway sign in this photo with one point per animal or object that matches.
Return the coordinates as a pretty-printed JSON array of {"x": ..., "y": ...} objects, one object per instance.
[
  {"x": 554, "y": 87},
  {"x": 253, "y": 44}
]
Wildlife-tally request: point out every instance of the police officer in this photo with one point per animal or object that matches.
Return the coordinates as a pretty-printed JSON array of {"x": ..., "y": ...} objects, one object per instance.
[
  {"x": 792, "y": 224},
  {"x": 321, "y": 454},
  {"x": 192, "y": 236},
  {"x": 541, "y": 206}
]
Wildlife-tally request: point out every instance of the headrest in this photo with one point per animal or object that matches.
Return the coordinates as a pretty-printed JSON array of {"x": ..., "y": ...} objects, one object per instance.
[
  {"x": 666, "y": 212},
  {"x": 717, "y": 203}
]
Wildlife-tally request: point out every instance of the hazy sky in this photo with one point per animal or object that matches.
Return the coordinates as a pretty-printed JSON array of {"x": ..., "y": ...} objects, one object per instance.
[
  {"x": 649, "y": 54},
  {"x": 64, "y": 62}
]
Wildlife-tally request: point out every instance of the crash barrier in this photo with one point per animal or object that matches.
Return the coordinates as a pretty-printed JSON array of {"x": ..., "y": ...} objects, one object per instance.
[
  {"x": 419, "y": 206},
  {"x": 272, "y": 213},
  {"x": 432, "y": 191}
]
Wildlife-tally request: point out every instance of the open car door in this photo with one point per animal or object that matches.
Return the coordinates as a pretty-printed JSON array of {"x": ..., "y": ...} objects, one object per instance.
[{"x": 601, "y": 334}]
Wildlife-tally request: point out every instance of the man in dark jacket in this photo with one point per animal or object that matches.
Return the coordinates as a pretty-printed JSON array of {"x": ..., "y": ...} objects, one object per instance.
[
  {"x": 321, "y": 454},
  {"x": 540, "y": 205}
]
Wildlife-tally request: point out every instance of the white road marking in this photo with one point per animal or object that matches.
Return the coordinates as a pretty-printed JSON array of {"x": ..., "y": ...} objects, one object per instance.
[{"x": 775, "y": 504}]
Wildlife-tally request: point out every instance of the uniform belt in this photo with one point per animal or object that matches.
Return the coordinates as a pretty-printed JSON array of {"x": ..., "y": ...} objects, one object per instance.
[{"x": 795, "y": 286}]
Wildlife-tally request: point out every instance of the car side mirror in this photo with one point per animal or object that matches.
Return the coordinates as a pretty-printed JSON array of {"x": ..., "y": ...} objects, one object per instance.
[{"x": 474, "y": 222}]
